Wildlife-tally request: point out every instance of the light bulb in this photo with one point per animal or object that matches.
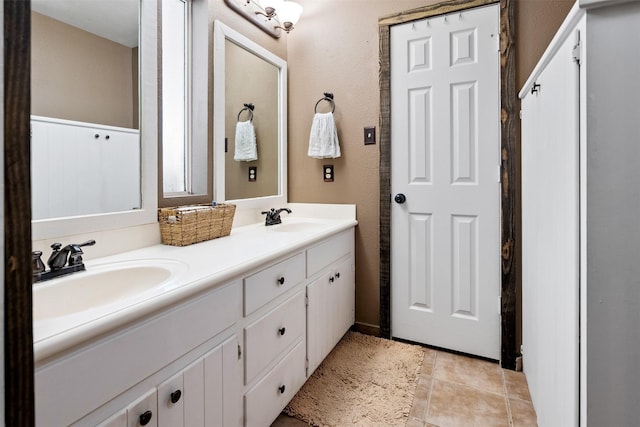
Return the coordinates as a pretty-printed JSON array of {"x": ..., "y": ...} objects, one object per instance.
[{"x": 289, "y": 12}]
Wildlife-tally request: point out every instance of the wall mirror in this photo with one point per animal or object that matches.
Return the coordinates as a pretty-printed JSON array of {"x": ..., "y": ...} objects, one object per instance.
[
  {"x": 94, "y": 115},
  {"x": 250, "y": 87}
]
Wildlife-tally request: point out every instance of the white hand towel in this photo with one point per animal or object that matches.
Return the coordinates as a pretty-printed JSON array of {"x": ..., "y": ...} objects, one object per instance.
[
  {"x": 246, "y": 149},
  {"x": 323, "y": 140}
]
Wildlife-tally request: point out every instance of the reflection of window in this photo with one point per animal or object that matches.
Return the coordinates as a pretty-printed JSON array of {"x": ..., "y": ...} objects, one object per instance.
[
  {"x": 175, "y": 95},
  {"x": 184, "y": 100}
]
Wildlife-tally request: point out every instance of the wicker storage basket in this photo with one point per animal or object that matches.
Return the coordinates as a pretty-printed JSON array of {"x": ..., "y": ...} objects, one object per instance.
[{"x": 186, "y": 225}]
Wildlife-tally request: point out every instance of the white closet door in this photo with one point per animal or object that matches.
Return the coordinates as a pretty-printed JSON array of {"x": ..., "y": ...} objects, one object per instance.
[
  {"x": 445, "y": 234},
  {"x": 550, "y": 240}
]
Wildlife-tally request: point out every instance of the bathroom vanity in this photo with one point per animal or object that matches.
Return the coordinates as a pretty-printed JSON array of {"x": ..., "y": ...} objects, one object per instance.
[{"x": 227, "y": 339}]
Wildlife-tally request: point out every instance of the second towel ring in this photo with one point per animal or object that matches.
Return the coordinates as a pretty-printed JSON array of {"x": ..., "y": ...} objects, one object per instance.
[
  {"x": 247, "y": 107},
  {"x": 327, "y": 97}
]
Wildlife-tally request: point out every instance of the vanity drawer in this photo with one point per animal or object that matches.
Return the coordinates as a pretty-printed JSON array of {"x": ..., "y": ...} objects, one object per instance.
[
  {"x": 272, "y": 334},
  {"x": 264, "y": 402},
  {"x": 320, "y": 256},
  {"x": 267, "y": 284}
]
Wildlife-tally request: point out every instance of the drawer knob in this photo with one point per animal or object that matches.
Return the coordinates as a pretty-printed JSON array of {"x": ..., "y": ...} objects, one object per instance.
[
  {"x": 146, "y": 418},
  {"x": 175, "y": 396},
  {"x": 331, "y": 279},
  {"x": 280, "y": 281},
  {"x": 337, "y": 275},
  {"x": 281, "y": 388},
  {"x": 282, "y": 330}
]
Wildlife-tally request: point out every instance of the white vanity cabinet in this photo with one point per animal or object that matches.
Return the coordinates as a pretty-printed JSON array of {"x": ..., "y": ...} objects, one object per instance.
[
  {"x": 87, "y": 385},
  {"x": 231, "y": 356},
  {"x": 296, "y": 327}
]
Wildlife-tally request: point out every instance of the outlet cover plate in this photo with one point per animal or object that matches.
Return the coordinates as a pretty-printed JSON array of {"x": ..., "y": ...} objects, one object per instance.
[{"x": 327, "y": 171}]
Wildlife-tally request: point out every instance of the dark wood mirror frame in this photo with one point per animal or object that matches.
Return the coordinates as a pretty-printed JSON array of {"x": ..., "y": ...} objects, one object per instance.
[
  {"x": 508, "y": 170},
  {"x": 18, "y": 329}
]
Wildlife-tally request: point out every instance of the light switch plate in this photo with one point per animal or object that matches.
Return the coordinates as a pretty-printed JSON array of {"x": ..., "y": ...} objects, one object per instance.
[{"x": 369, "y": 135}]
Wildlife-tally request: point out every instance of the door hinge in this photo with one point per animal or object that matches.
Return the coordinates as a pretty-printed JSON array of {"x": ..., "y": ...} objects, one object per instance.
[
  {"x": 306, "y": 300},
  {"x": 239, "y": 352},
  {"x": 306, "y": 366},
  {"x": 576, "y": 52}
]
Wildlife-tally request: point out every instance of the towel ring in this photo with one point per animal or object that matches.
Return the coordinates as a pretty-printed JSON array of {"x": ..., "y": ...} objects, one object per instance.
[
  {"x": 247, "y": 107},
  {"x": 327, "y": 97}
]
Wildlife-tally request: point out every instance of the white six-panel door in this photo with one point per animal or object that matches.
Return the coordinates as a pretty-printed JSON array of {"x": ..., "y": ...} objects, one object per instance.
[{"x": 445, "y": 136}]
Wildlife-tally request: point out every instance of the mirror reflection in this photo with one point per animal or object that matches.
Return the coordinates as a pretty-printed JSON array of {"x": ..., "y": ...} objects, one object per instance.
[
  {"x": 257, "y": 77},
  {"x": 85, "y": 107},
  {"x": 251, "y": 124}
]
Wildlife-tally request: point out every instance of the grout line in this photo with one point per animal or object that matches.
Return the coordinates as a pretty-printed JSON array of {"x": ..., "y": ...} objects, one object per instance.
[
  {"x": 506, "y": 397},
  {"x": 433, "y": 380}
]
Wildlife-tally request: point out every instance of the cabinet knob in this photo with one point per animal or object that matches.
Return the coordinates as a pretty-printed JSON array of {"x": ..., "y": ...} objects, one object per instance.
[
  {"x": 282, "y": 330},
  {"x": 146, "y": 418},
  {"x": 331, "y": 279},
  {"x": 175, "y": 396},
  {"x": 280, "y": 281},
  {"x": 107, "y": 137},
  {"x": 281, "y": 389},
  {"x": 337, "y": 274},
  {"x": 96, "y": 136}
]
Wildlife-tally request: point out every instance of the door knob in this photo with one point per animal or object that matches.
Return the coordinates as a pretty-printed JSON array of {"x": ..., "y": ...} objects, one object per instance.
[{"x": 400, "y": 198}]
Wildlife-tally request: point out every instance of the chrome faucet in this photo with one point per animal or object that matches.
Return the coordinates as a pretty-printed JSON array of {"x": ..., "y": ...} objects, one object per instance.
[
  {"x": 273, "y": 216},
  {"x": 63, "y": 260}
]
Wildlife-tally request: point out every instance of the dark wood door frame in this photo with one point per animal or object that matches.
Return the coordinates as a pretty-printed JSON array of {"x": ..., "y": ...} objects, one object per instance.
[
  {"x": 508, "y": 169},
  {"x": 18, "y": 329}
]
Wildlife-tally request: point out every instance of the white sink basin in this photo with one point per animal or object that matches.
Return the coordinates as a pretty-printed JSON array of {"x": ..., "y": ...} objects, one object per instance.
[
  {"x": 102, "y": 285},
  {"x": 300, "y": 227}
]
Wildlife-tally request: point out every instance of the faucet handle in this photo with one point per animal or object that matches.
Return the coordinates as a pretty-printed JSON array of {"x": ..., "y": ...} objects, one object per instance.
[
  {"x": 37, "y": 264},
  {"x": 75, "y": 256}
]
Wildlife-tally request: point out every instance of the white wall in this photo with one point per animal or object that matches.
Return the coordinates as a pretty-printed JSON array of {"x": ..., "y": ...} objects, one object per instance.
[{"x": 613, "y": 206}]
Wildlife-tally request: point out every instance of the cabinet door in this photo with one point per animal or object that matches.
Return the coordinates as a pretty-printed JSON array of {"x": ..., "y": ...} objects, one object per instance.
[
  {"x": 193, "y": 379},
  {"x": 223, "y": 385},
  {"x": 144, "y": 411},
  {"x": 171, "y": 402},
  {"x": 344, "y": 294},
  {"x": 320, "y": 319}
]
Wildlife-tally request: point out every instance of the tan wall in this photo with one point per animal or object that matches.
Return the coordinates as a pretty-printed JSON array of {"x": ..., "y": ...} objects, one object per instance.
[
  {"x": 536, "y": 23},
  {"x": 77, "y": 75}
]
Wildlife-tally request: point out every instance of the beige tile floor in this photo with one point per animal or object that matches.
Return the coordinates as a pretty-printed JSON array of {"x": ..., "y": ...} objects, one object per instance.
[{"x": 460, "y": 391}]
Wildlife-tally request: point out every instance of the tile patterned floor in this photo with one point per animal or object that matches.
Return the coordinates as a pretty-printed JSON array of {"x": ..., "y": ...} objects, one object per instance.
[{"x": 455, "y": 391}]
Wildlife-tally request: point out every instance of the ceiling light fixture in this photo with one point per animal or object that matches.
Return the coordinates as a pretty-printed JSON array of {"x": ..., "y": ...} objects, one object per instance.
[{"x": 270, "y": 15}]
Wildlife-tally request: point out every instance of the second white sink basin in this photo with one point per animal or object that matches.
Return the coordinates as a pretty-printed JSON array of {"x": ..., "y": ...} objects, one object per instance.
[
  {"x": 101, "y": 285},
  {"x": 300, "y": 227}
]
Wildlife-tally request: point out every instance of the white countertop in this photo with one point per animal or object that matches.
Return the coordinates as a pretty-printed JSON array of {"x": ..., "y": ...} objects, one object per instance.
[{"x": 207, "y": 265}]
